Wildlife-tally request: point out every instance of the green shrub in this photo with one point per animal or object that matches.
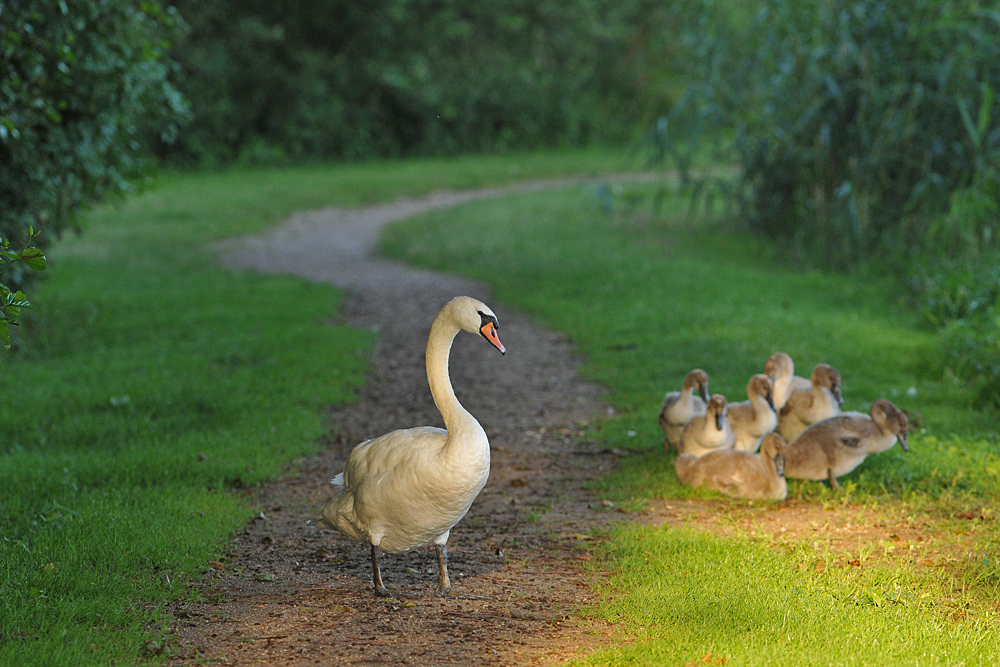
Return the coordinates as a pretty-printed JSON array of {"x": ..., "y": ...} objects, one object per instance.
[
  {"x": 82, "y": 84},
  {"x": 12, "y": 301},
  {"x": 853, "y": 123},
  {"x": 972, "y": 350},
  {"x": 960, "y": 297}
]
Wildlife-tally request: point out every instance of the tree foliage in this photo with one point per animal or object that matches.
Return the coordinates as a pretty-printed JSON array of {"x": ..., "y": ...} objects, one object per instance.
[
  {"x": 391, "y": 77},
  {"x": 864, "y": 131},
  {"x": 12, "y": 301},
  {"x": 82, "y": 85},
  {"x": 855, "y": 124}
]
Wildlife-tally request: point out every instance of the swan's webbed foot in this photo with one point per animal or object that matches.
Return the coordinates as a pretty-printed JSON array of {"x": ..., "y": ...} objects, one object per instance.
[{"x": 383, "y": 593}]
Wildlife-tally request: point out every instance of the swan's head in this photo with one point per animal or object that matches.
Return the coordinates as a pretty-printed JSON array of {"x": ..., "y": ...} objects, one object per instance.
[{"x": 476, "y": 317}]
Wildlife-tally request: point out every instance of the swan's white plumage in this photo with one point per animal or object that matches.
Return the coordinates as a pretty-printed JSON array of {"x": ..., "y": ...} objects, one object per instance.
[
  {"x": 408, "y": 488},
  {"x": 399, "y": 494}
]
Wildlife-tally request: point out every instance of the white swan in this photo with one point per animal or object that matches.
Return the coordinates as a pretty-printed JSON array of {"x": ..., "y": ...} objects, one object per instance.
[{"x": 410, "y": 487}]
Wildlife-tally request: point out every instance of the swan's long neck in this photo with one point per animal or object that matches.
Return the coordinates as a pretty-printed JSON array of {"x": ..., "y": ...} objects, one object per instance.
[{"x": 457, "y": 420}]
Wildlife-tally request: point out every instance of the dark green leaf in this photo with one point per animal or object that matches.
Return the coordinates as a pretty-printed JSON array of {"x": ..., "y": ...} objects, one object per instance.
[{"x": 34, "y": 258}]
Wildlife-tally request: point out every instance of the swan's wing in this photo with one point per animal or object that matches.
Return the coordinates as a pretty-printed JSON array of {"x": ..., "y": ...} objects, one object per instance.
[{"x": 377, "y": 456}]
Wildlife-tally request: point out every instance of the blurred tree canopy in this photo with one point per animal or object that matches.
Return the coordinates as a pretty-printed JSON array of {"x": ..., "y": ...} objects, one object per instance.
[
  {"x": 83, "y": 83},
  {"x": 336, "y": 78}
]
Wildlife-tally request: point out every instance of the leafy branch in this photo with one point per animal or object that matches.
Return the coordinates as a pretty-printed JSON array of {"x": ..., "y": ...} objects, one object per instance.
[{"x": 11, "y": 303}]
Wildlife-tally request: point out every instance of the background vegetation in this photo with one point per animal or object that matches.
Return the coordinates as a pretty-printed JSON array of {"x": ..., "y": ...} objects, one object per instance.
[
  {"x": 83, "y": 83},
  {"x": 842, "y": 135},
  {"x": 151, "y": 389},
  {"x": 270, "y": 81},
  {"x": 863, "y": 133},
  {"x": 645, "y": 299}
]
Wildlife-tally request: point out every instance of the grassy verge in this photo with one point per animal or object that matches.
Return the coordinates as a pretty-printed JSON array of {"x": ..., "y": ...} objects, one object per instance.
[
  {"x": 648, "y": 299},
  {"x": 151, "y": 383}
]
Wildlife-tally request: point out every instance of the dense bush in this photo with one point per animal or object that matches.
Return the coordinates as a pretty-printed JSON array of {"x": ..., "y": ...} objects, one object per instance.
[
  {"x": 337, "y": 78},
  {"x": 863, "y": 131},
  {"x": 960, "y": 297},
  {"x": 854, "y": 124},
  {"x": 82, "y": 82}
]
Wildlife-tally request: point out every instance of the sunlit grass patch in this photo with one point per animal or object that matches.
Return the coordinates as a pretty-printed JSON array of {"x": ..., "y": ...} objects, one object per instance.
[
  {"x": 645, "y": 300},
  {"x": 695, "y": 594},
  {"x": 645, "y": 303},
  {"x": 151, "y": 384}
]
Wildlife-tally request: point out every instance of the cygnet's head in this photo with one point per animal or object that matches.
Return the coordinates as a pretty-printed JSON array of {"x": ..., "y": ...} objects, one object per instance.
[
  {"x": 779, "y": 364},
  {"x": 887, "y": 415},
  {"x": 773, "y": 447},
  {"x": 697, "y": 380},
  {"x": 825, "y": 375},
  {"x": 761, "y": 385},
  {"x": 716, "y": 409}
]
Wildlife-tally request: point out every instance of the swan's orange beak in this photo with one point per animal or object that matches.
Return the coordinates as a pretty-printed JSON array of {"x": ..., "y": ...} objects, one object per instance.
[{"x": 489, "y": 331}]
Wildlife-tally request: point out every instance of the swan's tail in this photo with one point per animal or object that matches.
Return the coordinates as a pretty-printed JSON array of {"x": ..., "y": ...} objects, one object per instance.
[
  {"x": 319, "y": 520},
  {"x": 326, "y": 517}
]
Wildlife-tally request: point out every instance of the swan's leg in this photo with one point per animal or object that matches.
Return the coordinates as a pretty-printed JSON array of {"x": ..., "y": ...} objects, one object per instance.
[
  {"x": 444, "y": 582},
  {"x": 380, "y": 590}
]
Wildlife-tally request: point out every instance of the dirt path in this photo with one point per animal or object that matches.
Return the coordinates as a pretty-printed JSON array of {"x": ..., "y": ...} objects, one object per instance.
[{"x": 290, "y": 594}]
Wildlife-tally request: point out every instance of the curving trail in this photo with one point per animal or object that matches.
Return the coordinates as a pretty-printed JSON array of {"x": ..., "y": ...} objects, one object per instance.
[{"x": 295, "y": 595}]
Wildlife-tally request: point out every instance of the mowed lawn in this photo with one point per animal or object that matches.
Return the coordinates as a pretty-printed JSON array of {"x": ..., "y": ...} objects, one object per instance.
[
  {"x": 151, "y": 391},
  {"x": 646, "y": 299}
]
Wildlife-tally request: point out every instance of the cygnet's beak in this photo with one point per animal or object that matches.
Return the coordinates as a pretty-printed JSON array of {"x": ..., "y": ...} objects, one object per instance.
[
  {"x": 489, "y": 332},
  {"x": 770, "y": 399},
  {"x": 718, "y": 420},
  {"x": 703, "y": 392},
  {"x": 902, "y": 441}
]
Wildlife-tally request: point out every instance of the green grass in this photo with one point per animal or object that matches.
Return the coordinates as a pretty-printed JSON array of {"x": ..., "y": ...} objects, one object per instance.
[
  {"x": 151, "y": 384},
  {"x": 685, "y": 594},
  {"x": 647, "y": 299},
  {"x": 645, "y": 302}
]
